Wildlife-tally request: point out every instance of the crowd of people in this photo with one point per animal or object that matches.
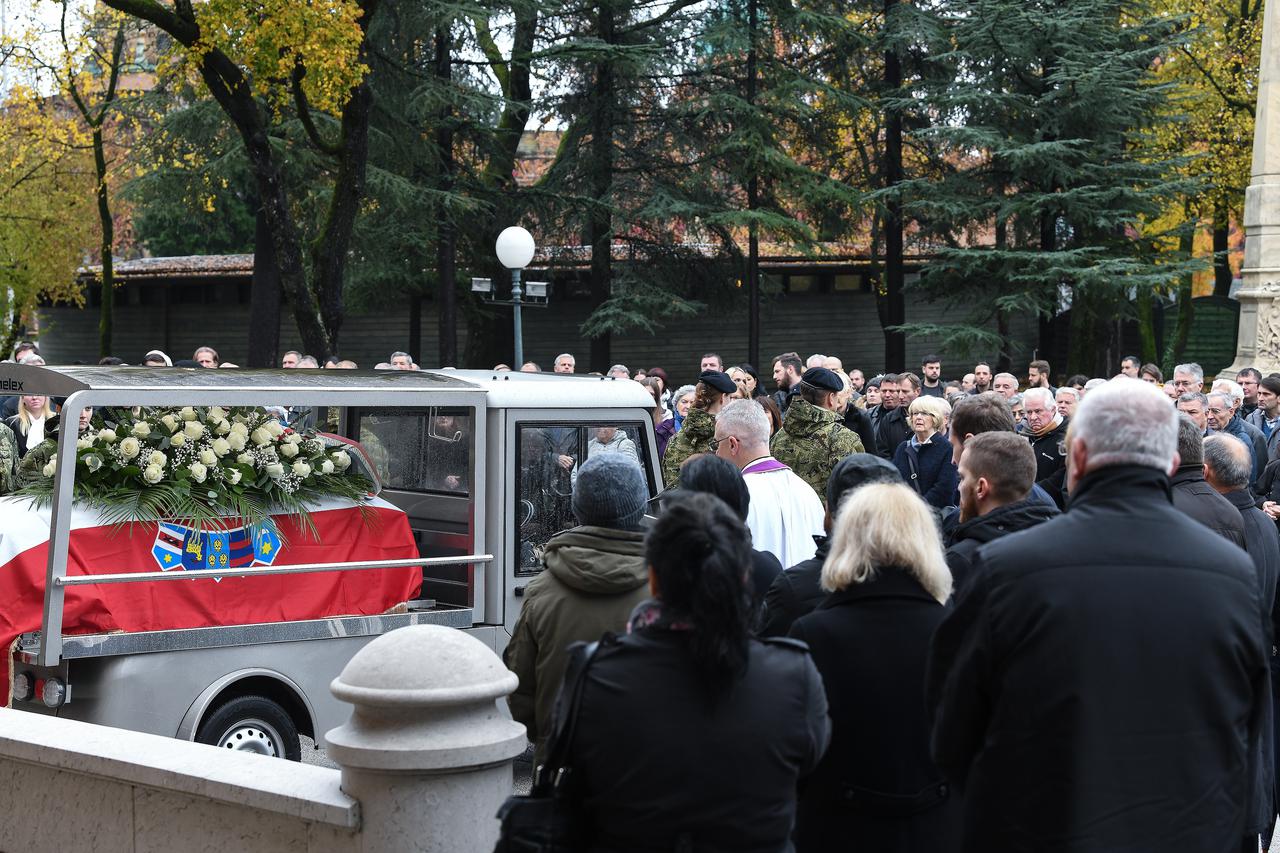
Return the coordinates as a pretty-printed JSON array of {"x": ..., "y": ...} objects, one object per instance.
[
  {"x": 905, "y": 614},
  {"x": 901, "y": 613}
]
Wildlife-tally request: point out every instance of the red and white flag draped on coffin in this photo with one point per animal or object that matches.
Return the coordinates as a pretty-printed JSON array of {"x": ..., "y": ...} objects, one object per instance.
[{"x": 343, "y": 535}]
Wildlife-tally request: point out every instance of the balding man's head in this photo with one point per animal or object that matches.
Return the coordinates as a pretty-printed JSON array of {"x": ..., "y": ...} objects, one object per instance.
[{"x": 1227, "y": 463}]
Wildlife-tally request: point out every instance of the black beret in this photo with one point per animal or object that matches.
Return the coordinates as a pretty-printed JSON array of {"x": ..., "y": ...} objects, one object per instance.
[
  {"x": 719, "y": 381},
  {"x": 856, "y": 470},
  {"x": 820, "y": 377}
]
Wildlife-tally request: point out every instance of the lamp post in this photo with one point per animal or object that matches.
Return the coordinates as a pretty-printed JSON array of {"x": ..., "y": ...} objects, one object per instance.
[{"x": 515, "y": 251}]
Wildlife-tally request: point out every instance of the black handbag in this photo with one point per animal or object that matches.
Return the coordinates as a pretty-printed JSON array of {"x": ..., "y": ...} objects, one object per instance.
[{"x": 547, "y": 820}]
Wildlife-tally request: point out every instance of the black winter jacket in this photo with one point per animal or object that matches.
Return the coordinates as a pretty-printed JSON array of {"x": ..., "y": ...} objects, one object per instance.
[
  {"x": 892, "y": 430},
  {"x": 1262, "y": 541},
  {"x": 1109, "y": 654},
  {"x": 794, "y": 592},
  {"x": 1002, "y": 521},
  {"x": 659, "y": 764},
  {"x": 1196, "y": 498},
  {"x": 860, "y": 422},
  {"x": 876, "y": 789}
]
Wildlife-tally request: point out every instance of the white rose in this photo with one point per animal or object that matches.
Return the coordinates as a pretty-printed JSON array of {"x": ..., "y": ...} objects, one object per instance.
[
  {"x": 198, "y": 471},
  {"x": 238, "y": 428},
  {"x": 208, "y": 457},
  {"x": 221, "y": 428},
  {"x": 170, "y": 422},
  {"x": 50, "y": 467},
  {"x": 221, "y": 446},
  {"x": 107, "y": 435},
  {"x": 93, "y": 462},
  {"x": 273, "y": 427},
  {"x": 193, "y": 429},
  {"x": 130, "y": 447},
  {"x": 275, "y": 470},
  {"x": 141, "y": 429},
  {"x": 187, "y": 413},
  {"x": 288, "y": 450},
  {"x": 293, "y": 438},
  {"x": 244, "y": 459},
  {"x": 326, "y": 466},
  {"x": 177, "y": 439},
  {"x": 235, "y": 441},
  {"x": 217, "y": 413},
  {"x": 157, "y": 459},
  {"x": 153, "y": 474},
  {"x": 233, "y": 476},
  {"x": 83, "y": 444},
  {"x": 301, "y": 468},
  {"x": 341, "y": 460},
  {"x": 261, "y": 437}
]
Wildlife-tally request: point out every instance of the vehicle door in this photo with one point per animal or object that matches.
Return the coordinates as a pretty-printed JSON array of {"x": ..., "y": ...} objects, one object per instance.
[{"x": 545, "y": 450}]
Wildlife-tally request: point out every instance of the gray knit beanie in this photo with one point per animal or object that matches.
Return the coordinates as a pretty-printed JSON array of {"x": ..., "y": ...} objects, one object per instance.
[{"x": 610, "y": 492}]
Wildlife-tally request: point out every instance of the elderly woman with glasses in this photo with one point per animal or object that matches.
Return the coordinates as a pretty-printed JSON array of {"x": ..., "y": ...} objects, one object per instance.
[{"x": 924, "y": 459}]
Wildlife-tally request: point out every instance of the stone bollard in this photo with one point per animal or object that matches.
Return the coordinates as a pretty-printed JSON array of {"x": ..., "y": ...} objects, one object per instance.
[{"x": 427, "y": 751}]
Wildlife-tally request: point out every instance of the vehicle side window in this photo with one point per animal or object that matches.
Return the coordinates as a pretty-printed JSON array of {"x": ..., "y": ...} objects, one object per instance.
[
  {"x": 549, "y": 456},
  {"x": 421, "y": 450}
]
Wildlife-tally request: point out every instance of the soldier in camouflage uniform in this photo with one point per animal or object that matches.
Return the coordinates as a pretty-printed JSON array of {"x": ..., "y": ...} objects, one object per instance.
[
  {"x": 8, "y": 460},
  {"x": 812, "y": 439},
  {"x": 712, "y": 392},
  {"x": 31, "y": 469}
]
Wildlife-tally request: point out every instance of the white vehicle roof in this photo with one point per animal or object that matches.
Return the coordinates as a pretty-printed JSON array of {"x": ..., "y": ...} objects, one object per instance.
[{"x": 501, "y": 390}]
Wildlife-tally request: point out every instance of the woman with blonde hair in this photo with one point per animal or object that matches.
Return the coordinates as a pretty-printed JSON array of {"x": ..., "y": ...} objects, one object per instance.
[
  {"x": 33, "y": 420},
  {"x": 925, "y": 458},
  {"x": 877, "y": 787}
]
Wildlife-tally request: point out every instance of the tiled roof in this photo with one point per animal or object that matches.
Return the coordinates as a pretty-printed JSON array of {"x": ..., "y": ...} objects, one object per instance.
[{"x": 187, "y": 266}]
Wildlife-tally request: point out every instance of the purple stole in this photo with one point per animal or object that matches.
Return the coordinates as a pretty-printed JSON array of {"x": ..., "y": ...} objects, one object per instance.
[{"x": 764, "y": 466}]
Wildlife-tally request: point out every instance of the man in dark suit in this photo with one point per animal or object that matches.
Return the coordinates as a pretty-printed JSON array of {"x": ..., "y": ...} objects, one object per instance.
[{"x": 1102, "y": 682}]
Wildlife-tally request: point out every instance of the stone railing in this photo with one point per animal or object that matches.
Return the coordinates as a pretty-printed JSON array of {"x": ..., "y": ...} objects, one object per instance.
[{"x": 425, "y": 763}]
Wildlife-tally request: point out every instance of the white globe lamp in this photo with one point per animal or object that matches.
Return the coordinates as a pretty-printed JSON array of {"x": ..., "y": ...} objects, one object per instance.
[{"x": 515, "y": 248}]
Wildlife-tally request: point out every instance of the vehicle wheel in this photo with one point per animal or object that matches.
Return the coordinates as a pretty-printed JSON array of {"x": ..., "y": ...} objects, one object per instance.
[{"x": 252, "y": 724}]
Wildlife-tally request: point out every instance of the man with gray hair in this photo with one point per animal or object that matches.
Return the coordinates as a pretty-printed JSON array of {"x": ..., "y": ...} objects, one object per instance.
[
  {"x": 1227, "y": 468},
  {"x": 784, "y": 513},
  {"x": 1188, "y": 377},
  {"x": 619, "y": 371},
  {"x": 1005, "y": 384},
  {"x": 1235, "y": 424},
  {"x": 1088, "y": 655},
  {"x": 565, "y": 363},
  {"x": 1192, "y": 495}
]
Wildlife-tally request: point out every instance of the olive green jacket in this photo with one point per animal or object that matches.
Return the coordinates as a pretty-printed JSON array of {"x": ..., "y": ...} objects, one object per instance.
[
  {"x": 31, "y": 468},
  {"x": 812, "y": 440},
  {"x": 594, "y": 578},
  {"x": 8, "y": 461},
  {"x": 694, "y": 436}
]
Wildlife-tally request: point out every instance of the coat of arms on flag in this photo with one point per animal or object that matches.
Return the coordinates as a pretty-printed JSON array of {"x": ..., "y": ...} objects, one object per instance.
[{"x": 180, "y": 547}]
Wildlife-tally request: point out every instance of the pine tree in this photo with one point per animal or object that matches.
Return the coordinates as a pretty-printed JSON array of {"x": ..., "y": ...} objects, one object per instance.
[{"x": 1048, "y": 123}]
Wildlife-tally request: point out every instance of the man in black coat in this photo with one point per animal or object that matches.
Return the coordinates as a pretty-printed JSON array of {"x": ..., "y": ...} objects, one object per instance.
[
  {"x": 892, "y": 428},
  {"x": 1102, "y": 685},
  {"x": 1226, "y": 468},
  {"x": 1193, "y": 496},
  {"x": 796, "y": 591},
  {"x": 1047, "y": 433},
  {"x": 997, "y": 471}
]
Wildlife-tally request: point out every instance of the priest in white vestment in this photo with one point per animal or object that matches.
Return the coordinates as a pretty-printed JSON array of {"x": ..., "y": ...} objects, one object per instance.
[{"x": 785, "y": 513}]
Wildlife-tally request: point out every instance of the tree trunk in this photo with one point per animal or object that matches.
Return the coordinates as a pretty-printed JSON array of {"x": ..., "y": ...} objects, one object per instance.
[
  {"x": 1221, "y": 252},
  {"x": 753, "y": 201},
  {"x": 264, "y": 299},
  {"x": 1048, "y": 243},
  {"x": 106, "y": 318},
  {"x": 446, "y": 246},
  {"x": 600, "y": 219},
  {"x": 1147, "y": 325},
  {"x": 895, "y": 314},
  {"x": 1004, "y": 359},
  {"x": 1186, "y": 310}
]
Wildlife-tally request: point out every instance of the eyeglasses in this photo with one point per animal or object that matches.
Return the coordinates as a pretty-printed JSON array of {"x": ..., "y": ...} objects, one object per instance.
[{"x": 716, "y": 442}]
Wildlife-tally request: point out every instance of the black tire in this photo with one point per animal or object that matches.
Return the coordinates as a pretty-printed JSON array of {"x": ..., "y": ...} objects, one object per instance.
[{"x": 252, "y": 724}]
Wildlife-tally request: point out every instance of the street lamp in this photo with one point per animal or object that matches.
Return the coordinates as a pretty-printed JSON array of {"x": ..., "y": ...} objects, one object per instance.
[{"x": 515, "y": 251}]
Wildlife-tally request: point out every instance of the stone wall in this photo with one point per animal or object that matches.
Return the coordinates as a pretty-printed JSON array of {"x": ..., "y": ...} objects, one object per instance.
[{"x": 76, "y": 786}]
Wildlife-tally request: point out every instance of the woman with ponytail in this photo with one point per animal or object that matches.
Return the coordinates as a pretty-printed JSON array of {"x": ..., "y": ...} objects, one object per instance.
[{"x": 691, "y": 734}]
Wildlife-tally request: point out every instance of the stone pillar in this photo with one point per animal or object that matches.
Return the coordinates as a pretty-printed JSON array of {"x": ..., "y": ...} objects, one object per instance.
[
  {"x": 1259, "y": 340},
  {"x": 427, "y": 750}
]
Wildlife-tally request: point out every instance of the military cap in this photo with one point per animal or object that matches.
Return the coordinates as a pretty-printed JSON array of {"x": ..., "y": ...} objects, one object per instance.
[
  {"x": 718, "y": 380},
  {"x": 820, "y": 377}
]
